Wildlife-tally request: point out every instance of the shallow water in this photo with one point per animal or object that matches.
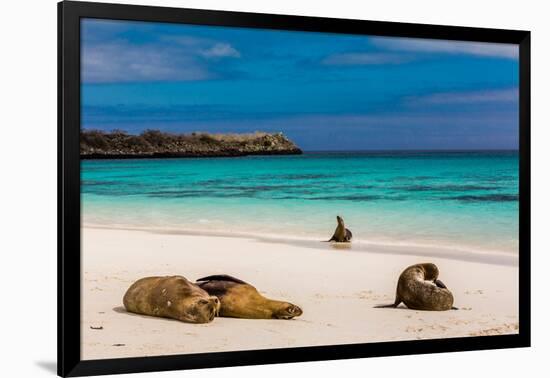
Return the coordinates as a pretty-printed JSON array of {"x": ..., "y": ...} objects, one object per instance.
[{"x": 461, "y": 200}]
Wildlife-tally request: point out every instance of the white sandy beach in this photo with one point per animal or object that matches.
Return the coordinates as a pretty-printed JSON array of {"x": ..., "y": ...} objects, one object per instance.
[{"x": 336, "y": 288}]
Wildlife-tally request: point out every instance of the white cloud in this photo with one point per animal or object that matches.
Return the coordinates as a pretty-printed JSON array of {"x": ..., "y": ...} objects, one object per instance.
[
  {"x": 221, "y": 50},
  {"x": 473, "y": 97},
  {"x": 125, "y": 62},
  {"x": 499, "y": 50},
  {"x": 185, "y": 40},
  {"x": 364, "y": 59},
  {"x": 179, "y": 59}
]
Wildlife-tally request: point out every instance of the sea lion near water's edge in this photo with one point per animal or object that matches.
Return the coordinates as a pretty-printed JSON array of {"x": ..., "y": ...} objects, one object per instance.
[
  {"x": 419, "y": 288},
  {"x": 341, "y": 234},
  {"x": 171, "y": 297},
  {"x": 241, "y": 300}
]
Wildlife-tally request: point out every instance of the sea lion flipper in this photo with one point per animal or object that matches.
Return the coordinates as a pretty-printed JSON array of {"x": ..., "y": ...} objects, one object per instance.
[
  {"x": 221, "y": 277},
  {"x": 392, "y": 305},
  {"x": 349, "y": 235}
]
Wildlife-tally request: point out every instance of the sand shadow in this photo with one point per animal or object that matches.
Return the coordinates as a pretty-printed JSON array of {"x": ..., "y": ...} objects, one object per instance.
[
  {"x": 387, "y": 306},
  {"x": 49, "y": 366},
  {"x": 403, "y": 307},
  {"x": 122, "y": 310},
  {"x": 340, "y": 245}
]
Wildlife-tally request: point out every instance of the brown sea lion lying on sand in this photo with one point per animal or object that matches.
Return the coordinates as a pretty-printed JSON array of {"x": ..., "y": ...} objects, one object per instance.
[
  {"x": 341, "y": 234},
  {"x": 171, "y": 297},
  {"x": 241, "y": 300},
  {"x": 419, "y": 288}
]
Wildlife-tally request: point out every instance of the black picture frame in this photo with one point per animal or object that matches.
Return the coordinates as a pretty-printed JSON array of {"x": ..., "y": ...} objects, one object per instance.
[{"x": 69, "y": 272}]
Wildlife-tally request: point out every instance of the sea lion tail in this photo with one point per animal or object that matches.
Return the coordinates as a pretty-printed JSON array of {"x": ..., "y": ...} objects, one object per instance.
[{"x": 454, "y": 308}]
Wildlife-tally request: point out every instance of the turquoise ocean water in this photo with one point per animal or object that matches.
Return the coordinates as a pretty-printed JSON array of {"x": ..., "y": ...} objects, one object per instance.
[{"x": 462, "y": 200}]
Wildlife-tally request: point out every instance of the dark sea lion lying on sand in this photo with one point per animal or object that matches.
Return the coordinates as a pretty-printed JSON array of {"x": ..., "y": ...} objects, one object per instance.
[
  {"x": 171, "y": 297},
  {"x": 341, "y": 234},
  {"x": 241, "y": 300},
  {"x": 419, "y": 288}
]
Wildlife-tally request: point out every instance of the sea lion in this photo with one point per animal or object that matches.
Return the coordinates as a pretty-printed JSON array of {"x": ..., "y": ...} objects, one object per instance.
[
  {"x": 341, "y": 234},
  {"x": 419, "y": 288},
  {"x": 171, "y": 297},
  {"x": 241, "y": 300}
]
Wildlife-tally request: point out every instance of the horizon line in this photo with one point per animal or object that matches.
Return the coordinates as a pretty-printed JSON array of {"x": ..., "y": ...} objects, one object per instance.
[{"x": 419, "y": 150}]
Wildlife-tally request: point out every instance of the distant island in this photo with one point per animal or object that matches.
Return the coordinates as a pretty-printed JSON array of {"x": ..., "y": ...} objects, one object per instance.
[{"x": 118, "y": 144}]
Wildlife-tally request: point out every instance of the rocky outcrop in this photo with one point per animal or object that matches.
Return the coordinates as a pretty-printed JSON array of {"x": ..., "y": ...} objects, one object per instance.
[{"x": 155, "y": 144}]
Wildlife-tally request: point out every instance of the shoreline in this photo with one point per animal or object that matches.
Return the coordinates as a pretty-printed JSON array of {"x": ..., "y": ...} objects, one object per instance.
[
  {"x": 338, "y": 290},
  {"x": 358, "y": 245},
  {"x": 185, "y": 155}
]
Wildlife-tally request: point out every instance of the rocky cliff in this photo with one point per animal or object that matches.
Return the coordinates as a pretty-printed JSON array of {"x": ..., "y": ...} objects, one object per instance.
[{"x": 155, "y": 144}]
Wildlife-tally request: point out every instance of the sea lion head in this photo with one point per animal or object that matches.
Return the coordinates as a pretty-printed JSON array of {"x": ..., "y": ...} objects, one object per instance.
[
  {"x": 430, "y": 271},
  {"x": 200, "y": 309},
  {"x": 340, "y": 220},
  {"x": 193, "y": 304},
  {"x": 287, "y": 311}
]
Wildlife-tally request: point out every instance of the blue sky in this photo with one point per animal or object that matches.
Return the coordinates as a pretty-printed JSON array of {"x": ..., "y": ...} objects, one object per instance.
[{"x": 325, "y": 91}]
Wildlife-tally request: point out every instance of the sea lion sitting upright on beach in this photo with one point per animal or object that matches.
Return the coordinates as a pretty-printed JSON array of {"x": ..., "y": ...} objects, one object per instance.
[
  {"x": 241, "y": 300},
  {"x": 341, "y": 234},
  {"x": 171, "y": 297},
  {"x": 419, "y": 288}
]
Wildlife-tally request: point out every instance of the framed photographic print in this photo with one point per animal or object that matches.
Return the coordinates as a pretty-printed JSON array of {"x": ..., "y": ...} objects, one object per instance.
[{"x": 239, "y": 188}]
